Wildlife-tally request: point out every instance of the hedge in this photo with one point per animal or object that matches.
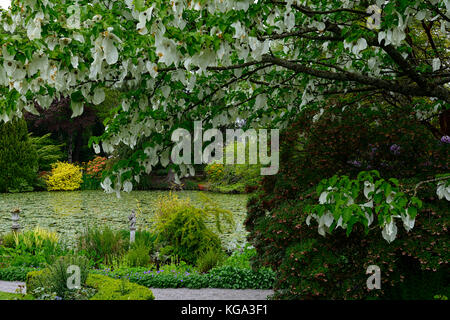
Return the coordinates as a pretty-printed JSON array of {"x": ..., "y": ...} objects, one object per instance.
[
  {"x": 107, "y": 288},
  {"x": 224, "y": 277},
  {"x": 15, "y": 273},
  {"x": 112, "y": 289}
]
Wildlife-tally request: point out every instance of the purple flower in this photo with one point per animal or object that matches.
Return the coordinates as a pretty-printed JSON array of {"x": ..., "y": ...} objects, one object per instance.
[
  {"x": 395, "y": 149},
  {"x": 356, "y": 163},
  {"x": 445, "y": 139}
]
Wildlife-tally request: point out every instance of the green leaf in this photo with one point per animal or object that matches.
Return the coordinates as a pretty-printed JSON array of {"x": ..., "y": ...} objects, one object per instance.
[
  {"x": 77, "y": 96},
  {"x": 412, "y": 212}
]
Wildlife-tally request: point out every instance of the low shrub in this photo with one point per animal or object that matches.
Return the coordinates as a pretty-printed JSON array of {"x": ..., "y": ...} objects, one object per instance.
[
  {"x": 53, "y": 280},
  {"x": 35, "y": 247},
  {"x": 32, "y": 280},
  {"x": 186, "y": 236},
  {"x": 139, "y": 255},
  {"x": 93, "y": 173},
  {"x": 226, "y": 277},
  {"x": 102, "y": 245},
  {"x": 242, "y": 258},
  {"x": 229, "y": 277},
  {"x": 64, "y": 176},
  {"x": 100, "y": 287},
  {"x": 112, "y": 289},
  {"x": 182, "y": 231},
  {"x": 15, "y": 273},
  {"x": 209, "y": 260},
  {"x": 234, "y": 178}
]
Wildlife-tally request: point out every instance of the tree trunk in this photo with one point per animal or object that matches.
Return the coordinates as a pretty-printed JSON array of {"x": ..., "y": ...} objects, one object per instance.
[
  {"x": 77, "y": 147},
  {"x": 170, "y": 176},
  {"x": 444, "y": 122},
  {"x": 70, "y": 148}
]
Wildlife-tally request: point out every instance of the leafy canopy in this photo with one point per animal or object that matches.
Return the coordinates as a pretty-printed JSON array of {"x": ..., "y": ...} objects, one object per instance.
[{"x": 216, "y": 61}]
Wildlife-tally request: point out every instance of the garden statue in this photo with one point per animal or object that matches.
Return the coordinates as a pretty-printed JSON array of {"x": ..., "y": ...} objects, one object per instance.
[
  {"x": 132, "y": 221},
  {"x": 15, "y": 220}
]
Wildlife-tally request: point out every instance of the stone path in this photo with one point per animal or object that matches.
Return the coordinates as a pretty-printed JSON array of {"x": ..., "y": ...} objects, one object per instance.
[
  {"x": 11, "y": 286},
  {"x": 181, "y": 293},
  {"x": 210, "y": 294}
]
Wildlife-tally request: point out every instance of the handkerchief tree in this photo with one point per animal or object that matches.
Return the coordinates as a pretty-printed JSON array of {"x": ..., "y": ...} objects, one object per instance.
[{"x": 177, "y": 61}]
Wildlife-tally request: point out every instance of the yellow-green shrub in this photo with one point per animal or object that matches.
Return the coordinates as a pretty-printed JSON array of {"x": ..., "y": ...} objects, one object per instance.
[
  {"x": 107, "y": 288},
  {"x": 32, "y": 281},
  {"x": 64, "y": 176},
  {"x": 112, "y": 289},
  {"x": 182, "y": 230}
]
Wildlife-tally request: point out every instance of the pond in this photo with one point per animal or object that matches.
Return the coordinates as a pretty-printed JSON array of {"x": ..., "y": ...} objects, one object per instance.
[{"x": 68, "y": 213}]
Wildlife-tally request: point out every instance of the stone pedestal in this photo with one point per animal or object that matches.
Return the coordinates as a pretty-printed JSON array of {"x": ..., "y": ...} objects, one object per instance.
[
  {"x": 15, "y": 216},
  {"x": 132, "y": 221}
]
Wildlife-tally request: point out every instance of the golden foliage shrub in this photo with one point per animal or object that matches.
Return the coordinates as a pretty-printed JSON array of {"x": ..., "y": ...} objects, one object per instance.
[{"x": 64, "y": 176}]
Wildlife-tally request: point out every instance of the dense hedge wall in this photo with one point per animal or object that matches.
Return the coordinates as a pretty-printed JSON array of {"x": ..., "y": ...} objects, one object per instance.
[{"x": 310, "y": 266}]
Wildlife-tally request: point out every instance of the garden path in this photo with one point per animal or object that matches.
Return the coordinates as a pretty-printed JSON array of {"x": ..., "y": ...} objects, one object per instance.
[
  {"x": 210, "y": 294},
  {"x": 181, "y": 293},
  {"x": 11, "y": 286}
]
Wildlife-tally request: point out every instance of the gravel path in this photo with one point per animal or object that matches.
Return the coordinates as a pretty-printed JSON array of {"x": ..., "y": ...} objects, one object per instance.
[
  {"x": 181, "y": 293},
  {"x": 210, "y": 294},
  {"x": 11, "y": 286}
]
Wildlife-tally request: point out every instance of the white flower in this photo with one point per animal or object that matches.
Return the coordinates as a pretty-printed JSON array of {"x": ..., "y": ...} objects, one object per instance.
[
  {"x": 368, "y": 187},
  {"x": 308, "y": 219},
  {"x": 436, "y": 64},
  {"x": 106, "y": 185},
  {"x": 99, "y": 96},
  {"x": 339, "y": 223},
  {"x": 10, "y": 67},
  {"x": 390, "y": 197},
  {"x": 166, "y": 51},
  {"x": 96, "y": 148},
  {"x": 77, "y": 108},
  {"x": 328, "y": 219},
  {"x": 369, "y": 218},
  {"x": 442, "y": 191},
  {"x": 74, "y": 61},
  {"x": 360, "y": 46},
  {"x": 34, "y": 26},
  {"x": 127, "y": 186},
  {"x": 143, "y": 18},
  {"x": 323, "y": 197},
  {"x": 109, "y": 49},
  {"x": 289, "y": 20},
  {"x": 389, "y": 232},
  {"x": 408, "y": 223},
  {"x": 203, "y": 59},
  {"x": 152, "y": 68},
  {"x": 240, "y": 32},
  {"x": 77, "y": 36}
]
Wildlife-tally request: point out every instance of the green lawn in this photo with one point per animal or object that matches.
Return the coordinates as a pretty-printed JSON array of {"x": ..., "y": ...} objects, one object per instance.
[{"x": 13, "y": 296}]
